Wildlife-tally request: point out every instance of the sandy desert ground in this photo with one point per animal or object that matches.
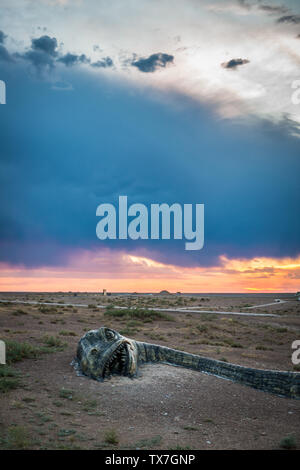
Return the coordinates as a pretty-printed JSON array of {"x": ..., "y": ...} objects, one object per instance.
[{"x": 45, "y": 405}]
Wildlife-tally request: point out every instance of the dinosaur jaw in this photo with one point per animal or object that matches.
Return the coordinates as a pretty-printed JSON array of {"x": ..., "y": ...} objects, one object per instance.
[{"x": 120, "y": 360}]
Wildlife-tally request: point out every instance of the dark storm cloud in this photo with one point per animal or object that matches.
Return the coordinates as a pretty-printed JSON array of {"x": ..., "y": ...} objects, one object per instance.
[
  {"x": 38, "y": 58},
  {"x": 291, "y": 19},
  {"x": 43, "y": 54},
  {"x": 45, "y": 44},
  {"x": 76, "y": 152},
  {"x": 234, "y": 63},
  {"x": 280, "y": 10},
  {"x": 4, "y": 54},
  {"x": 2, "y": 37},
  {"x": 271, "y": 9},
  {"x": 105, "y": 62},
  {"x": 153, "y": 62},
  {"x": 74, "y": 59}
]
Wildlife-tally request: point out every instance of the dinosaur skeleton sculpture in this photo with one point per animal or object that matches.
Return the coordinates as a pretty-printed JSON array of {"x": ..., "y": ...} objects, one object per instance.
[{"x": 104, "y": 352}]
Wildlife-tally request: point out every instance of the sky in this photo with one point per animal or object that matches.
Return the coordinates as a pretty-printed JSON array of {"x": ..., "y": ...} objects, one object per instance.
[{"x": 192, "y": 104}]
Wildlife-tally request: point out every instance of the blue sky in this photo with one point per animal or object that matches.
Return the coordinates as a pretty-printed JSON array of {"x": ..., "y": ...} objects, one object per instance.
[{"x": 75, "y": 135}]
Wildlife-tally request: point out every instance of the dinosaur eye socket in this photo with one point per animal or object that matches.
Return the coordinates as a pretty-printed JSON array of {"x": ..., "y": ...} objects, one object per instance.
[{"x": 109, "y": 334}]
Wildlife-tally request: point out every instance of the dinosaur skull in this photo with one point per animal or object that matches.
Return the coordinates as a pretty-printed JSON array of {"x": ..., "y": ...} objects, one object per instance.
[{"x": 104, "y": 352}]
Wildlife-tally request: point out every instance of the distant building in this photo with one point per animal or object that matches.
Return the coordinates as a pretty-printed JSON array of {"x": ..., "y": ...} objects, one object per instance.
[{"x": 104, "y": 292}]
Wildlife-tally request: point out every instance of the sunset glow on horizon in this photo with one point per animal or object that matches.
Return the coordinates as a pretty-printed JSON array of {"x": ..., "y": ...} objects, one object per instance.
[{"x": 123, "y": 272}]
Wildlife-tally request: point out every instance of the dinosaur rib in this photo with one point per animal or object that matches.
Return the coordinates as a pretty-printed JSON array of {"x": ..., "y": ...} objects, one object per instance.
[{"x": 104, "y": 352}]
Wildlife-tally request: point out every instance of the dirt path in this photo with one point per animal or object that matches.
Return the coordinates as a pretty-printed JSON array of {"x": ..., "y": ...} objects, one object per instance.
[{"x": 181, "y": 310}]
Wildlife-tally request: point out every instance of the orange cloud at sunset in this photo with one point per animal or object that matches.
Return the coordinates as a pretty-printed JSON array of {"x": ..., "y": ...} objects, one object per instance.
[{"x": 123, "y": 272}]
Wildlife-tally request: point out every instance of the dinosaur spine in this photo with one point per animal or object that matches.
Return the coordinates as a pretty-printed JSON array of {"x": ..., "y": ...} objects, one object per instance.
[{"x": 283, "y": 383}]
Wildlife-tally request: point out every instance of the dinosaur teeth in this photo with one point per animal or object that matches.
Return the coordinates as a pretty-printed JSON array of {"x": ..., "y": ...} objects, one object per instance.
[{"x": 117, "y": 361}]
